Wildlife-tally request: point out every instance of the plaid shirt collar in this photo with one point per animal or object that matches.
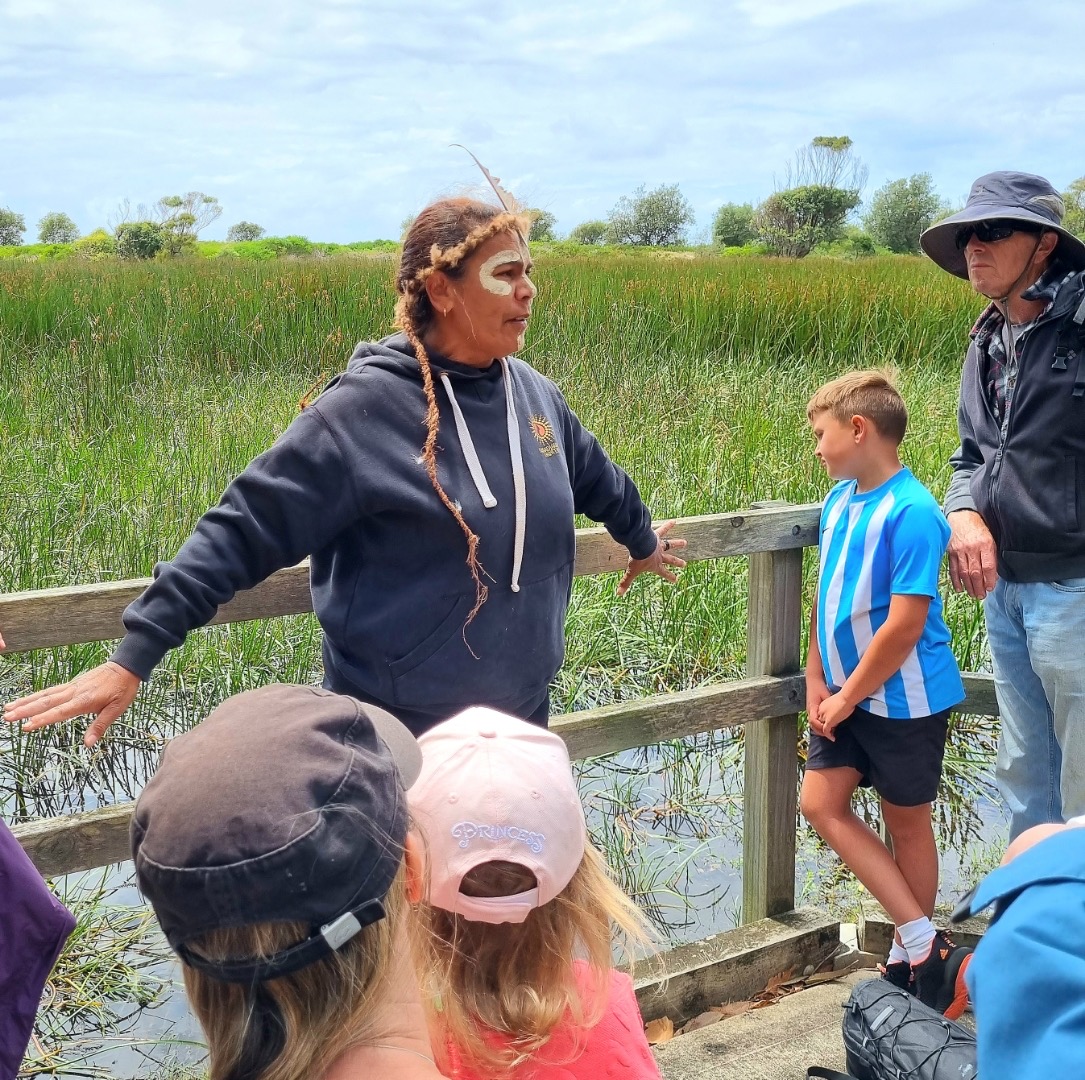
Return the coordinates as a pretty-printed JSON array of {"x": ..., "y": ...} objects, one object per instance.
[{"x": 1046, "y": 287}]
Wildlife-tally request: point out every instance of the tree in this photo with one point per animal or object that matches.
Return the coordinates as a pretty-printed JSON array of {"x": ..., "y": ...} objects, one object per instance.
[
  {"x": 795, "y": 221},
  {"x": 57, "y": 228},
  {"x": 244, "y": 230},
  {"x": 182, "y": 217},
  {"x": 651, "y": 218},
  {"x": 828, "y": 161},
  {"x": 12, "y": 227},
  {"x": 901, "y": 210},
  {"x": 95, "y": 244},
  {"x": 1074, "y": 197},
  {"x": 139, "y": 239},
  {"x": 733, "y": 225},
  {"x": 542, "y": 225},
  {"x": 589, "y": 232},
  {"x": 405, "y": 225}
]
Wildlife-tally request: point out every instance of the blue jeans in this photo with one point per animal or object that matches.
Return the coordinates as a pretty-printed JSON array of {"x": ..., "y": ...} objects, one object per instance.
[{"x": 1037, "y": 635}]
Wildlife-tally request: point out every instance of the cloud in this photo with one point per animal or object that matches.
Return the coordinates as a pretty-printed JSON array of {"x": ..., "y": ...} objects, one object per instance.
[{"x": 335, "y": 119}]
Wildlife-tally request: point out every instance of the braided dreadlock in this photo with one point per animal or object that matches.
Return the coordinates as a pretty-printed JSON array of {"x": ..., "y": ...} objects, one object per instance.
[{"x": 442, "y": 236}]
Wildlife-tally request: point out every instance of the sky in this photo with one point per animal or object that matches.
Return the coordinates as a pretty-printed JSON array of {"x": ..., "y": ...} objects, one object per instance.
[{"x": 333, "y": 119}]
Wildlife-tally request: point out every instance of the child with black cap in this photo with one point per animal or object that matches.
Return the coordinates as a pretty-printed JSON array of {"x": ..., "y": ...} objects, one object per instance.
[{"x": 272, "y": 844}]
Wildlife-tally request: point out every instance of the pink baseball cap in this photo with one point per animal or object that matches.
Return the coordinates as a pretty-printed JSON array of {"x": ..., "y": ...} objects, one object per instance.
[{"x": 496, "y": 788}]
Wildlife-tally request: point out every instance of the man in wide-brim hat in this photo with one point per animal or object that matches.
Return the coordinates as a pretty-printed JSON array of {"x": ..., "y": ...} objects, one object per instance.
[{"x": 1016, "y": 503}]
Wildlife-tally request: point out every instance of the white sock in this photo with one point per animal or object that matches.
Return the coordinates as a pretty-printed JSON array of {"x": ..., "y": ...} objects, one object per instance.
[
  {"x": 916, "y": 937},
  {"x": 898, "y": 954}
]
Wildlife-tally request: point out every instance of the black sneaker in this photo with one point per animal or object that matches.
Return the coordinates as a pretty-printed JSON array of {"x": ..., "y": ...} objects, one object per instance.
[
  {"x": 939, "y": 980},
  {"x": 899, "y": 973}
]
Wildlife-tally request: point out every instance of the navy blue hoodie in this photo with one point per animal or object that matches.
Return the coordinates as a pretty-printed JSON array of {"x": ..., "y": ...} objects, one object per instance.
[{"x": 345, "y": 485}]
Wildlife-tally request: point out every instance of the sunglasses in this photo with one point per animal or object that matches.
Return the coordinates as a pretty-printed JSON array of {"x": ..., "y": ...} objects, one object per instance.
[{"x": 990, "y": 232}]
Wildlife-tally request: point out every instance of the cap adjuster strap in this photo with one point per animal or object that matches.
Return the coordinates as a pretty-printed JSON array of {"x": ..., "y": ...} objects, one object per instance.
[{"x": 329, "y": 938}]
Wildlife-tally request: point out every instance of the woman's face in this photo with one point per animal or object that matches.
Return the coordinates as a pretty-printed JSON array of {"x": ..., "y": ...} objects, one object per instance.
[{"x": 483, "y": 313}]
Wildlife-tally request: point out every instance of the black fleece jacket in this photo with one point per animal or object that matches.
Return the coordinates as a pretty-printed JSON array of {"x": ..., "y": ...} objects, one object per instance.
[
  {"x": 1026, "y": 478},
  {"x": 345, "y": 485}
]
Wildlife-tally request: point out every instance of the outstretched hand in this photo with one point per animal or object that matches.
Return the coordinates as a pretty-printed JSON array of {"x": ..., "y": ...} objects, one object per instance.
[
  {"x": 103, "y": 692},
  {"x": 659, "y": 562}
]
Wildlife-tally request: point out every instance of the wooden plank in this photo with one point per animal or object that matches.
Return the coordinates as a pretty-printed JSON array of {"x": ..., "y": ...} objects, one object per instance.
[
  {"x": 67, "y": 845},
  {"x": 63, "y": 845},
  {"x": 980, "y": 688},
  {"x": 46, "y": 618},
  {"x": 611, "y": 728},
  {"x": 768, "y": 825},
  {"x": 733, "y": 966}
]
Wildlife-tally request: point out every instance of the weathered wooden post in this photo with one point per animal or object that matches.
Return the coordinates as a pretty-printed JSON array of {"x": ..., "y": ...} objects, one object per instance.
[{"x": 769, "y": 804}]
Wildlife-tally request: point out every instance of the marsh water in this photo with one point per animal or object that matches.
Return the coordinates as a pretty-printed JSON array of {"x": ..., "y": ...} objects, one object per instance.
[{"x": 669, "y": 818}]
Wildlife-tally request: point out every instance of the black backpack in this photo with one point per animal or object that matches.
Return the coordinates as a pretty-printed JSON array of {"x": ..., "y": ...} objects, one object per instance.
[{"x": 891, "y": 1035}]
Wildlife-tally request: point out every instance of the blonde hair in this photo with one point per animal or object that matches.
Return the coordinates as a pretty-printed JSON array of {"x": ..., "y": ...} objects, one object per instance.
[
  {"x": 443, "y": 235},
  {"x": 870, "y": 394},
  {"x": 516, "y": 980},
  {"x": 293, "y": 1027}
]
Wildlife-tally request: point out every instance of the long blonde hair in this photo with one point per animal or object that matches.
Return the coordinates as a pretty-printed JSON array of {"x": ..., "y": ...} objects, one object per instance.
[
  {"x": 294, "y": 1027},
  {"x": 443, "y": 235},
  {"x": 516, "y": 980}
]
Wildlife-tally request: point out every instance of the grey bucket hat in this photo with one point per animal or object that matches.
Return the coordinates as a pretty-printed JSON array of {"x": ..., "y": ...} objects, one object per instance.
[{"x": 1013, "y": 196}]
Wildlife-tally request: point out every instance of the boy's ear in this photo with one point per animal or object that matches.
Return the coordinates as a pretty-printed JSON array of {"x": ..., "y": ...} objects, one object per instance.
[
  {"x": 858, "y": 427},
  {"x": 414, "y": 857}
]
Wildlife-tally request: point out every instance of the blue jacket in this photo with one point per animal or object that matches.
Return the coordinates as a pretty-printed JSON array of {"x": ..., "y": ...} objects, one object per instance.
[
  {"x": 345, "y": 485},
  {"x": 1027, "y": 977}
]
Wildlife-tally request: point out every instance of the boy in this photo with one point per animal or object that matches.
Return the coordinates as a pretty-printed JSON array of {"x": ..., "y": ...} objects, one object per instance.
[{"x": 880, "y": 676}]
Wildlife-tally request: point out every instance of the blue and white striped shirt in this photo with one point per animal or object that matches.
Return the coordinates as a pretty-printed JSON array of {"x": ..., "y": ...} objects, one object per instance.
[{"x": 875, "y": 544}]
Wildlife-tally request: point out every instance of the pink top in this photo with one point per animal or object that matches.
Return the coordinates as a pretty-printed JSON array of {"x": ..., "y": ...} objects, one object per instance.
[{"x": 615, "y": 1049}]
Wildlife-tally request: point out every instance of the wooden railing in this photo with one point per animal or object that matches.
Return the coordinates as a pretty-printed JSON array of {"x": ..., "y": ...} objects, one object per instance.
[{"x": 769, "y": 699}]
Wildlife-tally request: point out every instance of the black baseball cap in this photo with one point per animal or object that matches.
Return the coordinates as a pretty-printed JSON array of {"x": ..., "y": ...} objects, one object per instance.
[{"x": 286, "y": 804}]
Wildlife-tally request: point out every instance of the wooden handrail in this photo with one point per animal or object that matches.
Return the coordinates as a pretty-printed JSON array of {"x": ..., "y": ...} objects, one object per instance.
[{"x": 72, "y": 615}]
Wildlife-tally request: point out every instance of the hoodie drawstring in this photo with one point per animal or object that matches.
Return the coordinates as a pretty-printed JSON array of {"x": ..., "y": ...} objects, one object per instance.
[
  {"x": 518, "y": 486},
  {"x": 474, "y": 466}
]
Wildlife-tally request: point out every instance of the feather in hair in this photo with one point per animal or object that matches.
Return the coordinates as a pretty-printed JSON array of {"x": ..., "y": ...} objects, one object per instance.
[{"x": 507, "y": 200}]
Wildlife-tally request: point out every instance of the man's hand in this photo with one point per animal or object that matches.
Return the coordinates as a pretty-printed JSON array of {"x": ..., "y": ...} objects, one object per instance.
[
  {"x": 972, "y": 558},
  {"x": 834, "y": 710},
  {"x": 103, "y": 692}
]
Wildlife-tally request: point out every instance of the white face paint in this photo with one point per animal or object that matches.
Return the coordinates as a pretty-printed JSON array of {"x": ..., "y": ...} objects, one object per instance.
[{"x": 486, "y": 272}]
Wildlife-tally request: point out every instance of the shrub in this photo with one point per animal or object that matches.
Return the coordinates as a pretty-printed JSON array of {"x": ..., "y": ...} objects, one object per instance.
[
  {"x": 795, "y": 221},
  {"x": 244, "y": 230},
  {"x": 900, "y": 211},
  {"x": 12, "y": 227},
  {"x": 139, "y": 239},
  {"x": 57, "y": 228},
  {"x": 542, "y": 225},
  {"x": 656, "y": 218},
  {"x": 589, "y": 232},
  {"x": 733, "y": 225}
]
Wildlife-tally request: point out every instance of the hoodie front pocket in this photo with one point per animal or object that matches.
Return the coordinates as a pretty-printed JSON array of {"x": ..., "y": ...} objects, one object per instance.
[{"x": 452, "y": 623}]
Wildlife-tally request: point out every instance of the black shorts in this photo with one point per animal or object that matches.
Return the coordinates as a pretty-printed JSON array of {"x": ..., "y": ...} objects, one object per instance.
[{"x": 900, "y": 759}]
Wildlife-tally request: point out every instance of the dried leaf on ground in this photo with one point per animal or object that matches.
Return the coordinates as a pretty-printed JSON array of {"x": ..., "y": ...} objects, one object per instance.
[
  {"x": 704, "y": 1020},
  {"x": 659, "y": 1031},
  {"x": 734, "y": 1008}
]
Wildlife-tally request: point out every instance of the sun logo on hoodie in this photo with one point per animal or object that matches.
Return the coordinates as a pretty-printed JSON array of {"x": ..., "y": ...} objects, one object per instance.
[{"x": 544, "y": 434}]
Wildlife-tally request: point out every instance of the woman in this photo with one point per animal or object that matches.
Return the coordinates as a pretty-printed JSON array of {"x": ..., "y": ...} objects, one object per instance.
[
  {"x": 287, "y": 904},
  {"x": 440, "y": 573}
]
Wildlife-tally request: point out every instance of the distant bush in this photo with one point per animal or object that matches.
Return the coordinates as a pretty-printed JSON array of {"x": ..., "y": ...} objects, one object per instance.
[
  {"x": 57, "y": 228},
  {"x": 733, "y": 225},
  {"x": 139, "y": 239},
  {"x": 542, "y": 225},
  {"x": 589, "y": 232},
  {"x": 95, "y": 245},
  {"x": 901, "y": 210},
  {"x": 656, "y": 218},
  {"x": 12, "y": 227},
  {"x": 244, "y": 230},
  {"x": 794, "y": 221}
]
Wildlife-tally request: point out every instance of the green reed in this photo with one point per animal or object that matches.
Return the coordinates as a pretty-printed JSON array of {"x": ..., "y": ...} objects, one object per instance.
[{"x": 131, "y": 395}]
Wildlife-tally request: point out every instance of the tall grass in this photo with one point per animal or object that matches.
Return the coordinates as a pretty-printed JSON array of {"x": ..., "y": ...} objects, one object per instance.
[{"x": 131, "y": 395}]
